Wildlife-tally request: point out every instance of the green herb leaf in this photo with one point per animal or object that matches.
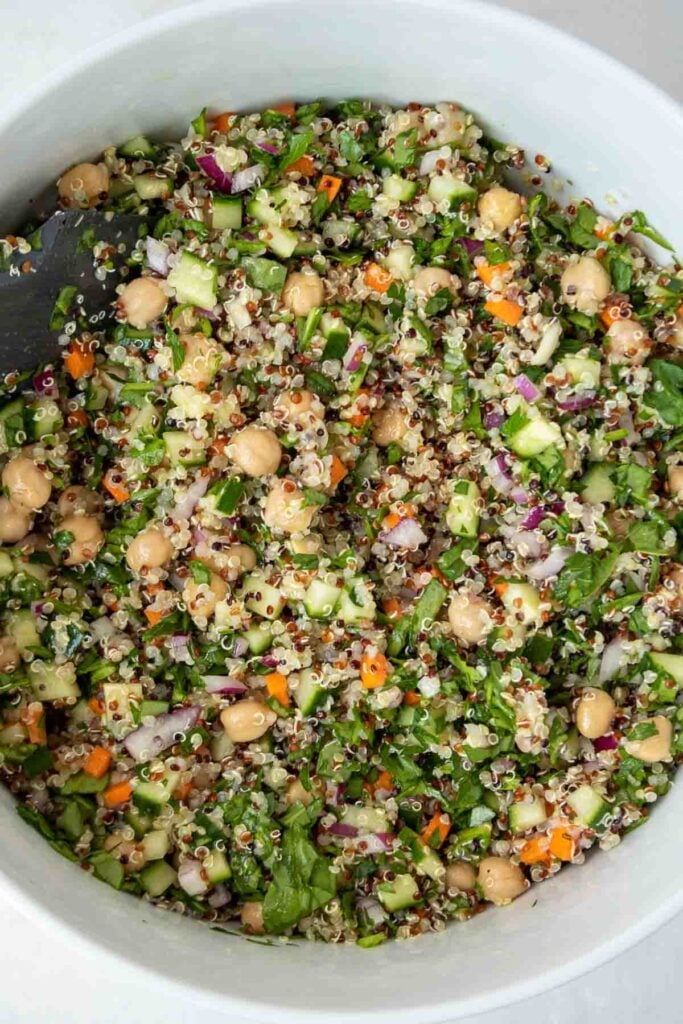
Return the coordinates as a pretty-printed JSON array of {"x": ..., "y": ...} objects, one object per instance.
[{"x": 667, "y": 394}]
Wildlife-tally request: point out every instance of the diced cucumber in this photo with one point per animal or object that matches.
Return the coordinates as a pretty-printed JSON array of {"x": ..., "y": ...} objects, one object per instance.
[
  {"x": 155, "y": 845},
  {"x": 139, "y": 822},
  {"x": 671, "y": 664},
  {"x": 216, "y": 867},
  {"x": 119, "y": 701},
  {"x": 357, "y": 603},
  {"x": 338, "y": 233},
  {"x": 462, "y": 514},
  {"x": 597, "y": 487},
  {"x": 309, "y": 693},
  {"x": 139, "y": 146},
  {"x": 322, "y": 598},
  {"x": 588, "y": 806},
  {"x": 373, "y": 318},
  {"x": 265, "y": 207},
  {"x": 194, "y": 280},
  {"x": 333, "y": 328},
  {"x": 428, "y": 862},
  {"x": 21, "y": 627},
  {"x": 581, "y": 370},
  {"x": 397, "y": 187},
  {"x": 144, "y": 420},
  {"x": 153, "y": 708},
  {"x": 151, "y": 186},
  {"x": 262, "y": 598},
  {"x": 45, "y": 417},
  {"x": 157, "y": 877},
  {"x": 402, "y": 892},
  {"x": 447, "y": 187},
  {"x": 53, "y": 682},
  {"x": 523, "y": 599},
  {"x": 365, "y": 819},
  {"x": 183, "y": 449},
  {"x": 12, "y": 409},
  {"x": 400, "y": 261},
  {"x": 281, "y": 241},
  {"x": 6, "y": 565},
  {"x": 259, "y": 637},
  {"x": 524, "y": 816},
  {"x": 152, "y": 796},
  {"x": 535, "y": 436},
  {"x": 11, "y": 735},
  {"x": 226, "y": 213},
  {"x": 221, "y": 746}
]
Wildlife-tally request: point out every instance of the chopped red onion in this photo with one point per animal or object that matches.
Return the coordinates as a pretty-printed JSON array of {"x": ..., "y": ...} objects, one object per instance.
[
  {"x": 191, "y": 877},
  {"x": 472, "y": 245},
  {"x": 354, "y": 354},
  {"x": 223, "y": 684},
  {"x": 340, "y": 829},
  {"x": 519, "y": 495},
  {"x": 526, "y": 539},
  {"x": 372, "y": 909},
  {"x": 606, "y": 743},
  {"x": 493, "y": 420},
  {"x": 148, "y": 741},
  {"x": 185, "y": 507},
  {"x": 534, "y": 518},
  {"x": 612, "y": 658},
  {"x": 268, "y": 147},
  {"x": 551, "y": 565},
  {"x": 578, "y": 402},
  {"x": 406, "y": 534},
  {"x": 157, "y": 255},
  {"x": 44, "y": 384},
  {"x": 499, "y": 475},
  {"x": 550, "y": 339},
  {"x": 526, "y": 388},
  {"x": 376, "y": 842},
  {"x": 180, "y": 652},
  {"x": 222, "y": 180},
  {"x": 239, "y": 647},
  {"x": 250, "y": 176},
  {"x": 219, "y": 897}
]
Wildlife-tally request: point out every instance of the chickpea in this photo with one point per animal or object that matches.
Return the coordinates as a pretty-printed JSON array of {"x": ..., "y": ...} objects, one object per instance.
[
  {"x": 308, "y": 545},
  {"x": 247, "y": 720},
  {"x": 251, "y": 916},
  {"x": 256, "y": 451},
  {"x": 241, "y": 558},
  {"x": 627, "y": 342},
  {"x": 9, "y": 654},
  {"x": 285, "y": 511},
  {"x": 499, "y": 208},
  {"x": 656, "y": 747},
  {"x": 303, "y": 291},
  {"x": 14, "y": 522},
  {"x": 290, "y": 405},
  {"x": 675, "y": 339},
  {"x": 594, "y": 713},
  {"x": 470, "y": 617},
  {"x": 675, "y": 477},
  {"x": 28, "y": 486},
  {"x": 83, "y": 185},
  {"x": 141, "y": 302},
  {"x": 500, "y": 880},
  {"x": 151, "y": 549},
  {"x": 389, "y": 425},
  {"x": 430, "y": 280},
  {"x": 79, "y": 499},
  {"x": 88, "y": 538},
  {"x": 585, "y": 285},
  {"x": 201, "y": 598},
  {"x": 202, "y": 359},
  {"x": 461, "y": 875}
]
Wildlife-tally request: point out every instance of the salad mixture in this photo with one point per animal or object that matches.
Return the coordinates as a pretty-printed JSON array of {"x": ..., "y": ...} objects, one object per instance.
[{"x": 340, "y": 577}]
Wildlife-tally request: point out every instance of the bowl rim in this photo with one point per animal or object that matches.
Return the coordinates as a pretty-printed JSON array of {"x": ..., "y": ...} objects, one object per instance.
[{"x": 445, "y": 1009}]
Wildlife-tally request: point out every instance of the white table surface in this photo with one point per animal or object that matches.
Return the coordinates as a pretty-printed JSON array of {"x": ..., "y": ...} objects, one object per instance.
[{"x": 41, "y": 982}]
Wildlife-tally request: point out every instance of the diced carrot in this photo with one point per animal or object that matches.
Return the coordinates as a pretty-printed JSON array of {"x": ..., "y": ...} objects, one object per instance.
[
  {"x": 152, "y": 589},
  {"x": 562, "y": 844},
  {"x": 221, "y": 123},
  {"x": 153, "y": 616},
  {"x": 509, "y": 312},
  {"x": 604, "y": 232},
  {"x": 390, "y": 521},
  {"x": 384, "y": 780},
  {"x": 374, "y": 669},
  {"x": 285, "y": 108},
  {"x": 500, "y": 586},
  {"x": 607, "y": 318},
  {"x": 97, "y": 762},
  {"x": 358, "y": 420},
  {"x": 276, "y": 684},
  {"x": 487, "y": 272},
  {"x": 535, "y": 850},
  {"x": 304, "y": 165},
  {"x": 441, "y": 824},
  {"x": 182, "y": 791},
  {"x": 96, "y": 706},
  {"x": 680, "y": 310},
  {"x": 338, "y": 471},
  {"x": 329, "y": 185},
  {"x": 119, "y": 793},
  {"x": 79, "y": 361},
  {"x": 118, "y": 491},
  {"x": 391, "y": 606},
  {"x": 411, "y": 698},
  {"x": 33, "y": 717},
  {"x": 77, "y": 418},
  {"x": 377, "y": 278}
]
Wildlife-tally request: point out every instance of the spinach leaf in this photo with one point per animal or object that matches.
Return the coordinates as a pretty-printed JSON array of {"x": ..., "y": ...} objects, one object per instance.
[
  {"x": 633, "y": 483},
  {"x": 584, "y": 576},
  {"x": 298, "y": 144},
  {"x": 667, "y": 395},
  {"x": 302, "y": 882}
]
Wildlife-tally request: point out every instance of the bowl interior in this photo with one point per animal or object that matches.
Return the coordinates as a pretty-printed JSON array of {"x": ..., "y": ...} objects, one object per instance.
[{"x": 529, "y": 85}]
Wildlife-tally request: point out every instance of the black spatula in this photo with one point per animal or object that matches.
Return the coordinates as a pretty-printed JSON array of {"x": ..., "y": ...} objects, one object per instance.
[{"x": 29, "y": 289}]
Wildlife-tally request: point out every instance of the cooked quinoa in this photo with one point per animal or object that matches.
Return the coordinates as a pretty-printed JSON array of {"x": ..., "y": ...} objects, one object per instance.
[{"x": 340, "y": 573}]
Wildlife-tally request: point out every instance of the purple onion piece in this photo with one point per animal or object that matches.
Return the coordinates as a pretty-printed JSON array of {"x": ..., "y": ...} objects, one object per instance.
[
  {"x": 157, "y": 255},
  {"x": 406, "y": 534},
  {"x": 493, "y": 420},
  {"x": 501, "y": 463},
  {"x": 191, "y": 877},
  {"x": 185, "y": 507},
  {"x": 268, "y": 147},
  {"x": 472, "y": 245},
  {"x": 209, "y": 165},
  {"x": 239, "y": 647},
  {"x": 250, "y": 176},
  {"x": 148, "y": 741},
  {"x": 44, "y": 384},
  {"x": 606, "y": 743},
  {"x": 575, "y": 403},
  {"x": 526, "y": 388},
  {"x": 519, "y": 496},
  {"x": 223, "y": 684},
  {"x": 354, "y": 355},
  {"x": 345, "y": 831},
  {"x": 534, "y": 518}
]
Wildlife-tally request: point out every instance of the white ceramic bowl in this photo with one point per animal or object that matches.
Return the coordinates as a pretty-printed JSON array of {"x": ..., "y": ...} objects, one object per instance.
[{"x": 605, "y": 129}]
